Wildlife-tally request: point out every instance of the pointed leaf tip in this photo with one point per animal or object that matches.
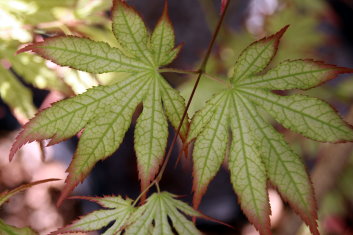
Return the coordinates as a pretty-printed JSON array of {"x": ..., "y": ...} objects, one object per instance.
[
  {"x": 65, "y": 193},
  {"x": 276, "y": 37},
  {"x": 295, "y": 74},
  {"x": 118, "y": 212},
  {"x": 105, "y": 112},
  {"x": 130, "y": 30},
  {"x": 26, "y": 48},
  {"x": 223, "y": 5},
  {"x": 84, "y": 54},
  {"x": 21, "y": 139},
  {"x": 256, "y": 57}
]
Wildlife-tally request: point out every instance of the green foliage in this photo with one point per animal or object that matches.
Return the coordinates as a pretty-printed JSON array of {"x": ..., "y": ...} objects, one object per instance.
[
  {"x": 21, "y": 21},
  {"x": 18, "y": 97},
  {"x": 6, "y": 229},
  {"x": 12, "y": 230},
  {"x": 33, "y": 70},
  {"x": 105, "y": 112},
  {"x": 257, "y": 151},
  {"x": 233, "y": 121},
  {"x": 150, "y": 218}
]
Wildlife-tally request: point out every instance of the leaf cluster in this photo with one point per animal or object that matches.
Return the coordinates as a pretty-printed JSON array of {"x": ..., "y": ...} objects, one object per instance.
[
  {"x": 233, "y": 119},
  {"x": 151, "y": 218}
]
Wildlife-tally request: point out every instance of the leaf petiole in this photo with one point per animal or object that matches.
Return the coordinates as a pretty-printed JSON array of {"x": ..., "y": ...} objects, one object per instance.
[
  {"x": 200, "y": 72},
  {"x": 191, "y": 72}
]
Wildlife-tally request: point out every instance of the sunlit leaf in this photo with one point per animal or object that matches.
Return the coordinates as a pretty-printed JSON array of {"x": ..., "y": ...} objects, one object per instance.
[
  {"x": 248, "y": 174},
  {"x": 295, "y": 74},
  {"x": 130, "y": 31},
  {"x": 34, "y": 71},
  {"x": 210, "y": 148},
  {"x": 117, "y": 210},
  {"x": 157, "y": 210},
  {"x": 104, "y": 113},
  {"x": 308, "y": 116},
  {"x": 289, "y": 168},
  {"x": 150, "y": 218},
  {"x": 17, "y": 96},
  {"x": 85, "y": 54},
  {"x": 151, "y": 134},
  {"x": 256, "y": 57},
  {"x": 162, "y": 40},
  {"x": 257, "y": 151}
]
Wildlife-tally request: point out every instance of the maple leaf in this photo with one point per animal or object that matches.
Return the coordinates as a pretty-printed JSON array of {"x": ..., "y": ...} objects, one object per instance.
[
  {"x": 105, "y": 112},
  {"x": 150, "y": 218},
  {"x": 117, "y": 210},
  {"x": 257, "y": 151},
  {"x": 16, "y": 96}
]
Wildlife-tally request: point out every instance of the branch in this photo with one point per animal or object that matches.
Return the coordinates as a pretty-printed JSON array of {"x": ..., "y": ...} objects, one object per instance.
[{"x": 201, "y": 71}]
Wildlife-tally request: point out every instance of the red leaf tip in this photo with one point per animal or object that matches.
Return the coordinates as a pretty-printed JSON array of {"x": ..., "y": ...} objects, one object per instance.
[
  {"x": 280, "y": 33},
  {"x": 223, "y": 5},
  {"x": 28, "y": 47},
  {"x": 165, "y": 9}
]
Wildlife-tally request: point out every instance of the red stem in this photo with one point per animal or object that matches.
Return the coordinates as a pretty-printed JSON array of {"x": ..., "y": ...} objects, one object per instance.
[{"x": 200, "y": 72}]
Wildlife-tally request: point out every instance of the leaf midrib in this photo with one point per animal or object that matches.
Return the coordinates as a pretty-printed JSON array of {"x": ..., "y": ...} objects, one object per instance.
[
  {"x": 114, "y": 213},
  {"x": 245, "y": 157},
  {"x": 277, "y": 153},
  {"x": 279, "y": 77},
  {"x": 150, "y": 155},
  {"x": 134, "y": 39},
  {"x": 214, "y": 136},
  {"x": 172, "y": 213},
  {"x": 151, "y": 210},
  {"x": 97, "y": 57},
  {"x": 252, "y": 63},
  {"x": 293, "y": 110},
  {"x": 86, "y": 105},
  {"x": 160, "y": 43},
  {"x": 117, "y": 115}
]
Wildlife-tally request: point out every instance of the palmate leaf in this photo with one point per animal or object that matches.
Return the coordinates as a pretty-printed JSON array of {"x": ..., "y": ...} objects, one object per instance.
[
  {"x": 155, "y": 213},
  {"x": 257, "y": 151},
  {"x": 105, "y": 112},
  {"x": 150, "y": 218},
  {"x": 117, "y": 210}
]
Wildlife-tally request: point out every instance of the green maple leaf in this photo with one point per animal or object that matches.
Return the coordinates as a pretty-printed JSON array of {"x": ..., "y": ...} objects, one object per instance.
[
  {"x": 17, "y": 96},
  {"x": 105, "y": 112},
  {"x": 117, "y": 210},
  {"x": 257, "y": 151},
  {"x": 150, "y": 218},
  {"x": 6, "y": 229}
]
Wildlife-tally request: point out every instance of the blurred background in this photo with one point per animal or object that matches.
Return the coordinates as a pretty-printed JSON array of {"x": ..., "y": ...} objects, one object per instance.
[{"x": 319, "y": 29}]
